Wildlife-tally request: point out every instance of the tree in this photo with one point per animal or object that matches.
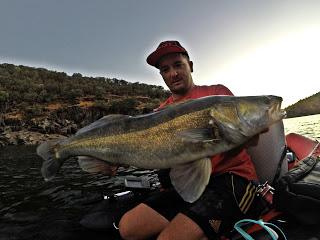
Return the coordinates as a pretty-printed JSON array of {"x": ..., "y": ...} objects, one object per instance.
[
  {"x": 4, "y": 99},
  {"x": 77, "y": 75}
]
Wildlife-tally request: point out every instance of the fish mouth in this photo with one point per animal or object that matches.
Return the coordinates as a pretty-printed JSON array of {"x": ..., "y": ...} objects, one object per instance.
[
  {"x": 276, "y": 113},
  {"x": 283, "y": 113}
]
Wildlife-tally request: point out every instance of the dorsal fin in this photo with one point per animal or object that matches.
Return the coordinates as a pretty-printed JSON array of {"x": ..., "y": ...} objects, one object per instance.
[{"x": 106, "y": 120}]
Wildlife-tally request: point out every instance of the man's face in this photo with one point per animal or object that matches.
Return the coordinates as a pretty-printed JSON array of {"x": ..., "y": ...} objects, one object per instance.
[{"x": 175, "y": 70}]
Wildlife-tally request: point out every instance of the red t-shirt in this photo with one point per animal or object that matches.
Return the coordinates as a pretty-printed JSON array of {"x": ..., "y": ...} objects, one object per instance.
[{"x": 236, "y": 161}]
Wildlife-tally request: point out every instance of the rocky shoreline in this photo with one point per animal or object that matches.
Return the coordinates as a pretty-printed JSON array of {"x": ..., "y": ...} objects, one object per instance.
[
  {"x": 25, "y": 137},
  {"x": 35, "y": 131},
  {"x": 21, "y": 129},
  {"x": 56, "y": 124}
]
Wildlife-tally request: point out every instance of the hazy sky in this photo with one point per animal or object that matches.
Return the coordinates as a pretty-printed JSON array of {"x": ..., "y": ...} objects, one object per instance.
[{"x": 253, "y": 47}]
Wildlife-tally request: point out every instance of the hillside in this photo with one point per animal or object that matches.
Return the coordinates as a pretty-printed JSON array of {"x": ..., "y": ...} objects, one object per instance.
[
  {"x": 307, "y": 106},
  {"x": 40, "y": 101}
]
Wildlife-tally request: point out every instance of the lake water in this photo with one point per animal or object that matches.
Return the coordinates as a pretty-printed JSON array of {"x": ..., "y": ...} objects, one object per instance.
[
  {"x": 308, "y": 126},
  {"x": 31, "y": 208}
]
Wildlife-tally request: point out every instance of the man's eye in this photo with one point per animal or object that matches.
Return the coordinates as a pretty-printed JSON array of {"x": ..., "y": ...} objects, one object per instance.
[
  {"x": 164, "y": 70},
  {"x": 179, "y": 64}
]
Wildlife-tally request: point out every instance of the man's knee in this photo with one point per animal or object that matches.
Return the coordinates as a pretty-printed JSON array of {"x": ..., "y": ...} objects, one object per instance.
[
  {"x": 182, "y": 227},
  {"x": 141, "y": 222},
  {"x": 125, "y": 228}
]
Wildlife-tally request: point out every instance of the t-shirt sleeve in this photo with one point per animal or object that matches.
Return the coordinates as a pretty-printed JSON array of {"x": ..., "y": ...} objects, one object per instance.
[
  {"x": 223, "y": 90},
  {"x": 163, "y": 104}
]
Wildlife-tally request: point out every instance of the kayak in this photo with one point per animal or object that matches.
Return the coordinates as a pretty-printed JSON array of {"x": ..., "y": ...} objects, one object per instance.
[
  {"x": 302, "y": 147},
  {"x": 298, "y": 149},
  {"x": 273, "y": 155}
]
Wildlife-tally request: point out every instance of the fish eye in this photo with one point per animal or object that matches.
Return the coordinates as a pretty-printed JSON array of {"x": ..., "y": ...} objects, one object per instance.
[{"x": 267, "y": 100}]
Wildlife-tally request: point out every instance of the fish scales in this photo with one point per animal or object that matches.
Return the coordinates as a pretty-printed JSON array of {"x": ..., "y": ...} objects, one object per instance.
[{"x": 156, "y": 140}]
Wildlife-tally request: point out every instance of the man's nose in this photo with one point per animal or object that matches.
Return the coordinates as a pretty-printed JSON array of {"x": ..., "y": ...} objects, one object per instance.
[{"x": 173, "y": 72}]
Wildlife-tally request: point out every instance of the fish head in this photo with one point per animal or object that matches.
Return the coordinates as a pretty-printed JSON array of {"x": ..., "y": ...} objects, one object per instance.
[
  {"x": 259, "y": 112},
  {"x": 240, "y": 118}
]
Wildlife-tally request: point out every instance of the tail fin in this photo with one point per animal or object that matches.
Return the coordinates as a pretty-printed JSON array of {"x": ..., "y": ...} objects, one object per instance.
[{"x": 51, "y": 164}]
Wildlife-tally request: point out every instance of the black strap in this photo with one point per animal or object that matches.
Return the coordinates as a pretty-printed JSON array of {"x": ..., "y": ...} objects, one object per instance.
[{"x": 278, "y": 172}]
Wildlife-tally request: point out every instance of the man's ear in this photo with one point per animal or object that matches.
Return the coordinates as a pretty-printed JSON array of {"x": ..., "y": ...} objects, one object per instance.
[{"x": 191, "y": 65}]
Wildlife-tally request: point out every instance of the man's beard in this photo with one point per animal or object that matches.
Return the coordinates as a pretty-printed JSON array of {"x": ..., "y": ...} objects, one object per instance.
[{"x": 180, "y": 91}]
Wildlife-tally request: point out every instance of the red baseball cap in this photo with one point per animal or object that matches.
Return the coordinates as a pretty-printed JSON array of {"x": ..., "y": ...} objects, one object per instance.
[{"x": 165, "y": 48}]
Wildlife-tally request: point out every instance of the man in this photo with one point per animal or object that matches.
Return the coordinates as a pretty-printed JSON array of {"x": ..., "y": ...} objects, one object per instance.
[{"x": 229, "y": 194}]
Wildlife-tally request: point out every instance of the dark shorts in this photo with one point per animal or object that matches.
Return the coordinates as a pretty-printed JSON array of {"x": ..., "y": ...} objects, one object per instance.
[{"x": 227, "y": 199}]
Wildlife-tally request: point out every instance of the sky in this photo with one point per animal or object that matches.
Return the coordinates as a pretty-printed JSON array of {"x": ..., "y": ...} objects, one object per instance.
[{"x": 254, "y": 47}]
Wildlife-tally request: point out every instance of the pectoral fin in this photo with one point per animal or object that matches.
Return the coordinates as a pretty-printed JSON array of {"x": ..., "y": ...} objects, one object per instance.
[
  {"x": 198, "y": 135},
  {"x": 228, "y": 122},
  {"x": 93, "y": 165},
  {"x": 191, "y": 179}
]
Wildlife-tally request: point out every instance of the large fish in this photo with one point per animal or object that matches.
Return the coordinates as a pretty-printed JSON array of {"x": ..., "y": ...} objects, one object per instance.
[{"x": 181, "y": 137}]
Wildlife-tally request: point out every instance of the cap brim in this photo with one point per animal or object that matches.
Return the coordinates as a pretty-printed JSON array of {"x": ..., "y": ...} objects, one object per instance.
[{"x": 154, "y": 57}]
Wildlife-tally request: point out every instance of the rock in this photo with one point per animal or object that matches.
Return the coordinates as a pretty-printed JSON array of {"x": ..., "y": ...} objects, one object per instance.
[{"x": 21, "y": 141}]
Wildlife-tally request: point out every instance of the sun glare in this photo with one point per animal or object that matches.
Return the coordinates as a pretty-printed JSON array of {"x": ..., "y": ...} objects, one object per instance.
[{"x": 288, "y": 67}]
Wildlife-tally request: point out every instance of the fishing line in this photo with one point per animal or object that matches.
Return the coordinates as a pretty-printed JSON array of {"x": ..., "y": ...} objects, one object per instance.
[{"x": 261, "y": 223}]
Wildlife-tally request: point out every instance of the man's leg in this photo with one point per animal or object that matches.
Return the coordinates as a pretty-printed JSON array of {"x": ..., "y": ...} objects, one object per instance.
[
  {"x": 182, "y": 227},
  {"x": 141, "y": 222}
]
